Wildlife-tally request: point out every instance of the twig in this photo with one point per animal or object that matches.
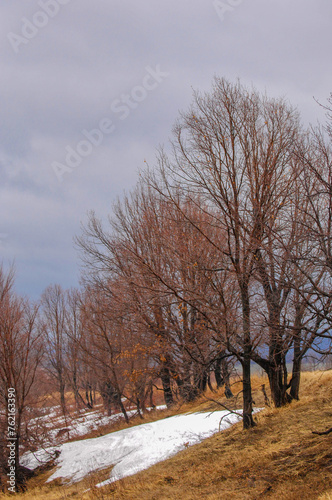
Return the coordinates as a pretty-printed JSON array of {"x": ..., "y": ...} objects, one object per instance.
[
  {"x": 267, "y": 401},
  {"x": 225, "y": 408},
  {"x": 322, "y": 433}
]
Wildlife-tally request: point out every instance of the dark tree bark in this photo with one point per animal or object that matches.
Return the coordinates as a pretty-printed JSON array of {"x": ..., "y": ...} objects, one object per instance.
[
  {"x": 248, "y": 420},
  {"x": 166, "y": 383},
  {"x": 296, "y": 373}
]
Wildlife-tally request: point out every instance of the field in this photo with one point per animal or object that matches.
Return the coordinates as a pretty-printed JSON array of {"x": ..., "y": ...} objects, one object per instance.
[{"x": 280, "y": 458}]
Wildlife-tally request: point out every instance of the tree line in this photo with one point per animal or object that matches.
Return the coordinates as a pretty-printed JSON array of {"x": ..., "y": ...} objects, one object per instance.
[
  {"x": 223, "y": 249},
  {"x": 221, "y": 255}
]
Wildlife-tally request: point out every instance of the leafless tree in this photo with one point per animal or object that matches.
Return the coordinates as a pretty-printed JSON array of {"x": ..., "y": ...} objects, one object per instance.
[
  {"x": 207, "y": 248},
  {"x": 234, "y": 147},
  {"x": 315, "y": 263},
  {"x": 166, "y": 274},
  {"x": 54, "y": 324},
  {"x": 79, "y": 372},
  {"x": 21, "y": 351}
]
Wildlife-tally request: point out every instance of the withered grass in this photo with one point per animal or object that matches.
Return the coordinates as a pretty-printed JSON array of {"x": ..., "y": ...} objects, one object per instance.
[{"x": 280, "y": 458}]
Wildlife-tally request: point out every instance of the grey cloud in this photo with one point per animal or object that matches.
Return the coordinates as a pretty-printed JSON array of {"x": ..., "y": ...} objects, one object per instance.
[{"x": 65, "y": 79}]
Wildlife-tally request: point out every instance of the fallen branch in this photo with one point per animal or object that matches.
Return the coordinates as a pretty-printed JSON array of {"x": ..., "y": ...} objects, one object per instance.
[
  {"x": 322, "y": 433},
  {"x": 239, "y": 414},
  {"x": 267, "y": 401}
]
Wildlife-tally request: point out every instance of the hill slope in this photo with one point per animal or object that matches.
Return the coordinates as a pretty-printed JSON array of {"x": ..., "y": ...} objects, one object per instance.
[{"x": 280, "y": 458}]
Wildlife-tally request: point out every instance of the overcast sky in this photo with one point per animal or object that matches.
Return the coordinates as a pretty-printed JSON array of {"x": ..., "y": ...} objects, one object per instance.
[{"x": 115, "y": 74}]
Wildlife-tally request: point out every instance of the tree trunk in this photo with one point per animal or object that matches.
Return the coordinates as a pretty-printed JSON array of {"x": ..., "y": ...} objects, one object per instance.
[
  {"x": 149, "y": 395},
  {"x": 296, "y": 373},
  {"x": 226, "y": 378},
  {"x": 75, "y": 390},
  {"x": 222, "y": 375},
  {"x": 217, "y": 374},
  {"x": 166, "y": 382},
  {"x": 277, "y": 364},
  {"x": 139, "y": 409},
  {"x": 107, "y": 394},
  {"x": 276, "y": 385},
  {"x": 201, "y": 379},
  {"x": 298, "y": 355},
  {"x": 248, "y": 420},
  {"x": 62, "y": 386},
  {"x": 88, "y": 397},
  {"x": 187, "y": 391},
  {"x": 123, "y": 410},
  {"x": 152, "y": 405},
  {"x": 209, "y": 383}
]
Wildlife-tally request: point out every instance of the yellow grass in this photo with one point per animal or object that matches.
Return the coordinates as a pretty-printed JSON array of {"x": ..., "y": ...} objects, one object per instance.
[{"x": 278, "y": 459}]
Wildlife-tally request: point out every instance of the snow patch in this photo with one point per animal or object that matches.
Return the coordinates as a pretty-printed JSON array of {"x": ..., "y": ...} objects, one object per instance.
[{"x": 134, "y": 449}]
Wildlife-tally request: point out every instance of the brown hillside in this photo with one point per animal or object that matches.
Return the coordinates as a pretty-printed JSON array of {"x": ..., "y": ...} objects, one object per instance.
[{"x": 279, "y": 459}]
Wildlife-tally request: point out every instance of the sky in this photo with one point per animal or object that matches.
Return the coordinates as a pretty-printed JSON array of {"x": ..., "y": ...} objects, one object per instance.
[{"x": 90, "y": 89}]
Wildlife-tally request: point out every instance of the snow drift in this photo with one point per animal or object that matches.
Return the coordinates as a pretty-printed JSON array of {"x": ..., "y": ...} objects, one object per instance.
[{"x": 134, "y": 449}]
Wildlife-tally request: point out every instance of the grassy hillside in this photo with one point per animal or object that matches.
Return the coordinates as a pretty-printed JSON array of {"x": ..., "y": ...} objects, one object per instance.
[{"x": 280, "y": 458}]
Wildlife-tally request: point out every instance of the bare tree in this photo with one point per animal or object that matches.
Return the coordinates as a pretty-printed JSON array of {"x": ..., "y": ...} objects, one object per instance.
[
  {"x": 21, "y": 351},
  {"x": 165, "y": 270},
  {"x": 80, "y": 374},
  {"x": 315, "y": 263},
  {"x": 107, "y": 348},
  {"x": 234, "y": 148},
  {"x": 207, "y": 248},
  {"x": 54, "y": 324}
]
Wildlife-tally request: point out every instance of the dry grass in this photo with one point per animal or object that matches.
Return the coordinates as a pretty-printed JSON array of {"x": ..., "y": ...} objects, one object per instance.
[
  {"x": 279, "y": 459},
  {"x": 204, "y": 403}
]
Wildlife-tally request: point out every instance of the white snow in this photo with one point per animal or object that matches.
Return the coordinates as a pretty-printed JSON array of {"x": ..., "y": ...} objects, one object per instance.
[
  {"x": 134, "y": 449},
  {"x": 59, "y": 428}
]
